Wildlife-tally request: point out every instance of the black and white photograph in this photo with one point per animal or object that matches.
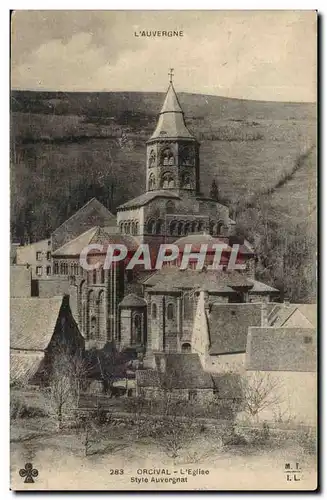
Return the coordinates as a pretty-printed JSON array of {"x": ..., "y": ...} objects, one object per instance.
[{"x": 163, "y": 250}]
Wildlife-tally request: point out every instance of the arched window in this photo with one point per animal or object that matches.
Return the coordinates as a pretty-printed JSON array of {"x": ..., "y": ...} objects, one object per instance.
[
  {"x": 128, "y": 228},
  {"x": 186, "y": 181},
  {"x": 72, "y": 269},
  {"x": 121, "y": 226},
  {"x": 151, "y": 226},
  {"x": 158, "y": 227},
  {"x": 170, "y": 207},
  {"x": 200, "y": 227},
  {"x": 187, "y": 228},
  {"x": 152, "y": 158},
  {"x": 137, "y": 328},
  {"x": 93, "y": 327},
  {"x": 167, "y": 157},
  {"x": 154, "y": 311},
  {"x": 132, "y": 227},
  {"x": 170, "y": 311},
  {"x": 101, "y": 275},
  {"x": 56, "y": 268},
  {"x": 125, "y": 227},
  {"x": 136, "y": 228},
  {"x": 186, "y": 347},
  {"x": 173, "y": 227},
  {"x": 220, "y": 226},
  {"x": 211, "y": 228},
  {"x": 94, "y": 276},
  {"x": 152, "y": 182},
  {"x": 193, "y": 227},
  {"x": 167, "y": 181},
  {"x": 101, "y": 331},
  {"x": 180, "y": 228}
]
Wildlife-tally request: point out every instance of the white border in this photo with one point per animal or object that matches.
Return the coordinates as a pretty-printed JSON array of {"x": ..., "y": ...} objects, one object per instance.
[{"x": 4, "y": 185}]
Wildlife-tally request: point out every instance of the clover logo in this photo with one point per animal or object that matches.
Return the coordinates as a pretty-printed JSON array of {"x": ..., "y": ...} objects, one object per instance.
[{"x": 28, "y": 473}]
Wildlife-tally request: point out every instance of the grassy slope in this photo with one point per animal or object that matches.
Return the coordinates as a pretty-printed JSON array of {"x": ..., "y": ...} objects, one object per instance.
[{"x": 67, "y": 140}]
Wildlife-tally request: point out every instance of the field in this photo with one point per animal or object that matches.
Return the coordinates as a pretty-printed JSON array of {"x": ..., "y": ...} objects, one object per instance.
[
  {"x": 111, "y": 448},
  {"x": 65, "y": 150}
]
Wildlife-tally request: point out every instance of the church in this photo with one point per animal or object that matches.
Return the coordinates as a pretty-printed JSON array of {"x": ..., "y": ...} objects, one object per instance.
[{"x": 150, "y": 311}]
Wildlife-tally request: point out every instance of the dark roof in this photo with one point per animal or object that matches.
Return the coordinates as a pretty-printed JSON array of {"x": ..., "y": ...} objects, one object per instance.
[
  {"x": 171, "y": 123},
  {"x": 145, "y": 198},
  {"x": 182, "y": 371},
  {"x": 173, "y": 279},
  {"x": 281, "y": 349},
  {"x": 33, "y": 321},
  {"x": 228, "y": 326},
  {"x": 92, "y": 214},
  {"x": 147, "y": 378},
  {"x": 133, "y": 300},
  {"x": 95, "y": 235},
  {"x": 228, "y": 385}
]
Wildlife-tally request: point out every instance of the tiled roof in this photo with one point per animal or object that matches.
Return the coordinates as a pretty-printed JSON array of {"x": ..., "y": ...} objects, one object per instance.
[
  {"x": 171, "y": 123},
  {"x": 132, "y": 300},
  {"x": 147, "y": 378},
  {"x": 96, "y": 235},
  {"x": 196, "y": 240},
  {"x": 33, "y": 321},
  {"x": 24, "y": 366},
  {"x": 309, "y": 311},
  {"x": 182, "y": 371},
  {"x": 173, "y": 279},
  {"x": 228, "y": 326},
  {"x": 281, "y": 349},
  {"x": 75, "y": 246},
  {"x": 145, "y": 198},
  {"x": 283, "y": 312}
]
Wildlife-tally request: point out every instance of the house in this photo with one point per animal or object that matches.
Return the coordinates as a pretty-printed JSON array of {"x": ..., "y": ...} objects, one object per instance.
[
  {"x": 284, "y": 360},
  {"x": 220, "y": 333},
  {"x": 40, "y": 328}
]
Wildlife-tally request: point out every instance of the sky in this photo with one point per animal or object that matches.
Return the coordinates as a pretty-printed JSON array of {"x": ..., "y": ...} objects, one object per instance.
[{"x": 262, "y": 55}]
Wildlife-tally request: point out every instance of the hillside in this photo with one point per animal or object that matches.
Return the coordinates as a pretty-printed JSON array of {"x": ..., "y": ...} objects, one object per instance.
[{"x": 66, "y": 149}]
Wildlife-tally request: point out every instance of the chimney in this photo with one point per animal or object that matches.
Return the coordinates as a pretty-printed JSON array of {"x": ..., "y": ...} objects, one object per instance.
[{"x": 264, "y": 314}]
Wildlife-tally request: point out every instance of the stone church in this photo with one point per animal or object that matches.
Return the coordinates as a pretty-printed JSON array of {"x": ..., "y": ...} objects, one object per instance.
[{"x": 149, "y": 311}]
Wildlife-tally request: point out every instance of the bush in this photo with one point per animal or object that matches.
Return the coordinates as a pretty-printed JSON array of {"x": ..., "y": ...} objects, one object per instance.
[
  {"x": 308, "y": 440},
  {"x": 19, "y": 409}
]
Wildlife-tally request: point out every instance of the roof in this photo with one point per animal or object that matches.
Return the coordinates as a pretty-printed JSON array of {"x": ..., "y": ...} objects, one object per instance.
[
  {"x": 24, "y": 366},
  {"x": 145, "y": 198},
  {"x": 95, "y": 235},
  {"x": 171, "y": 123},
  {"x": 196, "y": 239},
  {"x": 261, "y": 287},
  {"x": 76, "y": 245},
  {"x": 33, "y": 321},
  {"x": 228, "y": 326},
  {"x": 182, "y": 371},
  {"x": 174, "y": 279},
  {"x": 281, "y": 349},
  {"x": 283, "y": 312},
  {"x": 92, "y": 214},
  {"x": 132, "y": 300}
]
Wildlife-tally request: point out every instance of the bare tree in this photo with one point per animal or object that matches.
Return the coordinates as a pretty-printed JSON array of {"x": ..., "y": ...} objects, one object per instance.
[
  {"x": 260, "y": 391},
  {"x": 65, "y": 386}
]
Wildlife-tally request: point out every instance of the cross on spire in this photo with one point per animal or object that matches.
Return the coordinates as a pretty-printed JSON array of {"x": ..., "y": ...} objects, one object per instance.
[{"x": 171, "y": 74}]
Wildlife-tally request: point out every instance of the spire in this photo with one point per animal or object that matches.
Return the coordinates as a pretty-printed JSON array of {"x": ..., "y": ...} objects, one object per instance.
[{"x": 171, "y": 123}]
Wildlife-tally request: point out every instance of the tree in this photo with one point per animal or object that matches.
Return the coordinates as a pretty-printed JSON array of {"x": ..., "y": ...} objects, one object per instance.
[
  {"x": 260, "y": 391},
  {"x": 65, "y": 384},
  {"x": 214, "y": 193}
]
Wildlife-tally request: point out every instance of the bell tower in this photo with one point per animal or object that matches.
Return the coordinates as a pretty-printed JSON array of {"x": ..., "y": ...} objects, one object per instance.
[{"x": 172, "y": 151}]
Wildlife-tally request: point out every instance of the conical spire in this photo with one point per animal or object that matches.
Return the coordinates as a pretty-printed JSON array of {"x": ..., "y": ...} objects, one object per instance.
[
  {"x": 171, "y": 123},
  {"x": 171, "y": 102}
]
